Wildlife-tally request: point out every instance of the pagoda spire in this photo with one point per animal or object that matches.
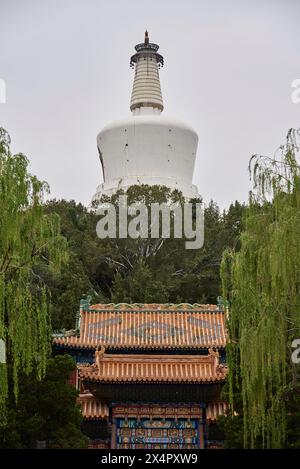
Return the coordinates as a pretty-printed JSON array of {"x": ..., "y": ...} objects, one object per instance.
[{"x": 146, "y": 90}]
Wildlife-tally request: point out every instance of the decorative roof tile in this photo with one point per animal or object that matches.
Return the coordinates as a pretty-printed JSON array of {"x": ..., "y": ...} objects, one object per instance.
[
  {"x": 149, "y": 326},
  {"x": 91, "y": 408},
  {"x": 113, "y": 368}
]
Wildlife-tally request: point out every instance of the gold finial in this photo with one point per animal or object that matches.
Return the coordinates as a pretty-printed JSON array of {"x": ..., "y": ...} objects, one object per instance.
[{"x": 146, "y": 37}]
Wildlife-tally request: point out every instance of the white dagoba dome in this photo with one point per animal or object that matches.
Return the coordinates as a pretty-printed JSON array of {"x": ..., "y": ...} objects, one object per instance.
[{"x": 147, "y": 148}]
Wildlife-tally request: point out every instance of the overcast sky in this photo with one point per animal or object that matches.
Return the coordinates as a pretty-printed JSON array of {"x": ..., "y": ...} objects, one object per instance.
[{"x": 229, "y": 65}]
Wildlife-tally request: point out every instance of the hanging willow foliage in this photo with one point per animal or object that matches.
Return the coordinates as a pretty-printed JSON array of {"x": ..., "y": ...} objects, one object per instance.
[
  {"x": 27, "y": 236},
  {"x": 262, "y": 283}
]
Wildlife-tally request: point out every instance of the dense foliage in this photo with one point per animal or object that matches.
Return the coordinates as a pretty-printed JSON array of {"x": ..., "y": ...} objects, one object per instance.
[
  {"x": 27, "y": 237},
  {"x": 46, "y": 410},
  {"x": 262, "y": 282}
]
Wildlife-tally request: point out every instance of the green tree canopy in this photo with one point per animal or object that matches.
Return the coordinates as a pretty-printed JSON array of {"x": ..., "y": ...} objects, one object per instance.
[
  {"x": 262, "y": 283},
  {"x": 138, "y": 270},
  {"x": 46, "y": 410},
  {"x": 27, "y": 237}
]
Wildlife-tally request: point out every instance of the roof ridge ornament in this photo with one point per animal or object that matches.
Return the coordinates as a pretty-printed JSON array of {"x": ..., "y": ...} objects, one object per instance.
[
  {"x": 146, "y": 37},
  {"x": 99, "y": 356}
]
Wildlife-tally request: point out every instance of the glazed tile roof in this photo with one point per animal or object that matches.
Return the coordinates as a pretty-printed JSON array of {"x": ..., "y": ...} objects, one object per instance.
[
  {"x": 91, "y": 408},
  {"x": 149, "y": 326},
  {"x": 113, "y": 368},
  {"x": 214, "y": 409}
]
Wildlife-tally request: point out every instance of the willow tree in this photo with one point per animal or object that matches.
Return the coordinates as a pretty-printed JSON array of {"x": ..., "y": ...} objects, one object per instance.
[
  {"x": 27, "y": 237},
  {"x": 262, "y": 282}
]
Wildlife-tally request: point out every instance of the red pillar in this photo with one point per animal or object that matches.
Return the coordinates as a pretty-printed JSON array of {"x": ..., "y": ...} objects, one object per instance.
[
  {"x": 201, "y": 430},
  {"x": 201, "y": 434},
  {"x": 113, "y": 437}
]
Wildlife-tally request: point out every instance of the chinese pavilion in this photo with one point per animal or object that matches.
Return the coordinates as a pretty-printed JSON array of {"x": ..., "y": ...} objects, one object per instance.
[{"x": 149, "y": 375}]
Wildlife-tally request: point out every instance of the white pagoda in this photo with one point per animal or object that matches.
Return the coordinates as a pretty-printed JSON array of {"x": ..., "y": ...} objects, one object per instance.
[{"x": 146, "y": 147}]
